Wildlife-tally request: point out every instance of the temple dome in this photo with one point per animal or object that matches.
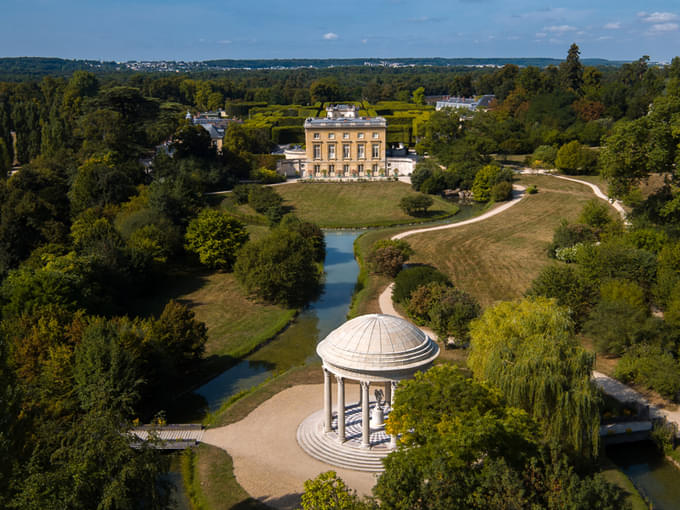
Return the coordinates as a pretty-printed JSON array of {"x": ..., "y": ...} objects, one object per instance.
[{"x": 377, "y": 343}]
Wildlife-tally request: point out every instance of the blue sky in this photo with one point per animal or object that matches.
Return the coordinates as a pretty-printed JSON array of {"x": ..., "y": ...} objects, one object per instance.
[{"x": 210, "y": 29}]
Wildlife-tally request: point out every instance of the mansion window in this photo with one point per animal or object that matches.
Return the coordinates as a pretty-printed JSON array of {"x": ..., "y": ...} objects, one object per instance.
[
  {"x": 331, "y": 151},
  {"x": 345, "y": 136},
  {"x": 346, "y": 151},
  {"x": 375, "y": 169},
  {"x": 361, "y": 169},
  {"x": 331, "y": 136},
  {"x": 361, "y": 151},
  {"x": 331, "y": 169},
  {"x": 317, "y": 169},
  {"x": 360, "y": 136},
  {"x": 345, "y": 169},
  {"x": 317, "y": 136},
  {"x": 376, "y": 150},
  {"x": 317, "y": 151},
  {"x": 376, "y": 135}
]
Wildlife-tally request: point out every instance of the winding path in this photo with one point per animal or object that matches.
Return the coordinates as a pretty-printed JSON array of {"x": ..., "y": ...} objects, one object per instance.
[{"x": 609, "y": 385}]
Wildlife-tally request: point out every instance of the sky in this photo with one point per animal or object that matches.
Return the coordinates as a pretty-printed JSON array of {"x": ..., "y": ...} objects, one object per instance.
[{"x": 192, "y": 30}]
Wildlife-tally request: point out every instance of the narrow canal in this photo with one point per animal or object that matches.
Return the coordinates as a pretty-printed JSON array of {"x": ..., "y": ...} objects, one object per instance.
[
  {"x": 297, "y": 344},
  {"x": 654, "y": 477}
]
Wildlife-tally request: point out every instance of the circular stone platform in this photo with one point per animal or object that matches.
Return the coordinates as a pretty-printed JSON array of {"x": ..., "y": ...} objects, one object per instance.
[{"x": 326, "y": 447}]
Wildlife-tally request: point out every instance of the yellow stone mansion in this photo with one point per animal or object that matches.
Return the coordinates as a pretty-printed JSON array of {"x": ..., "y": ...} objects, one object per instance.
[{"x": 343, "y": 145}]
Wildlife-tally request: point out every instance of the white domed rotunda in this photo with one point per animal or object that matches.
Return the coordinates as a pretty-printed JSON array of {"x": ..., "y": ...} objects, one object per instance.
[{"x": 374, "y": 350}]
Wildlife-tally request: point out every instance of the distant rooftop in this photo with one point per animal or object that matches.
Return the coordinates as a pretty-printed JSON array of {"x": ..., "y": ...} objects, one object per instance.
[
  {"x": 346, "y": 122},
  {"x": 470, "y": 103}
]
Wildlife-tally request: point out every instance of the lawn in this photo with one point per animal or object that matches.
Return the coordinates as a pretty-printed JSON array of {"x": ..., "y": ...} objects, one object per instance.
[
  {"x": 356, "y": 204},
  {"x": 498, "y": 258},
  {"x": 236, "y": 325}
]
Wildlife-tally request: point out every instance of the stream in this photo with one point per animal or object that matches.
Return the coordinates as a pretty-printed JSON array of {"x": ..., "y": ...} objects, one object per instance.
[{"x": 297, "y": 343}]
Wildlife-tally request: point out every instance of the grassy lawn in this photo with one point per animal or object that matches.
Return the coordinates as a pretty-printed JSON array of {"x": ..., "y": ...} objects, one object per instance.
[
  {"x": 617, "y": 477},
  {"x": 235, "y": 324},
  {"x": 210, "y": 481},
  {"x": 356, "y": 204},
  {"x": 498, "y": 258}
]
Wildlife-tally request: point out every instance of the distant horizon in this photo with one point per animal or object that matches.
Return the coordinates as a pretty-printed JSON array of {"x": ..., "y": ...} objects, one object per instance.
[
  {"x": 467, "y": 57},
  {"x": 200, "y": 30}
]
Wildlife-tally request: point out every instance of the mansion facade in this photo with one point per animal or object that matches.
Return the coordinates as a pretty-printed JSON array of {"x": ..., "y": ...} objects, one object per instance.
[{"x": 343, "y": 145}]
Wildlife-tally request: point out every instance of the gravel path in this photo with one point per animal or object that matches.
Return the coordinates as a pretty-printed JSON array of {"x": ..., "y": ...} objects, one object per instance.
[
  {"x": 518, "y": 194},
  {"x": 268, "y": 463}
]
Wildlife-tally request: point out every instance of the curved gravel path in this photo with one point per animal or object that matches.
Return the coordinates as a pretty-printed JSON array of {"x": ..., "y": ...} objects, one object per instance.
[{"x": 518, "y": 194}]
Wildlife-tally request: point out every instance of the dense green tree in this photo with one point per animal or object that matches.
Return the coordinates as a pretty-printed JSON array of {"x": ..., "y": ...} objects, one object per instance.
[
  {"x": 416, "y": 205},
  {"x": 324, "y": 89},
  {"x": 193, "y": 141},
  {"x": 527, "y": 350},
  {"x": 178, "y": 334},
  {"x": 447, "y": 310},
  {"x": 215, "y": 237},
  {"x": 329, "y": 492},
  {"x": 411, "y": 278},
  {"x": 100, "y": 181},
  {"x": 388, "y": 256},
  {"x": 486, "y": 179},
  {"x": 567, "y": 285},
  {"x": 279, "y": 268},
  {"x": 309, "y": 231},
  {"x": 572, "y": 69}
]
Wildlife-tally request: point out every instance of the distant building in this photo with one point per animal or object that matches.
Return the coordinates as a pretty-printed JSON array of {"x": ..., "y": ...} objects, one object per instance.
[
  {"x": 215, "y": 123},
  {"x": 469, "y": 103},
  {"x": 344, "y": 145}
]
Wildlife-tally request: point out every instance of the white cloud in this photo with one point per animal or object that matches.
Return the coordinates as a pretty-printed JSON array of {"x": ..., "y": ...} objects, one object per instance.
[
  {"x": 559, "y": 29},
  {"x": 657, "y": 17},
  {"x": 540, "y": 34},
  {"x": 330, "y": 36},
  {"x": 224, "y": 41},
  {"x": 364, "y": 41},
  {"x": 605, "y": 38},
  {"x": 663, "y": 27},
  {"x": 614, "y": 25}
]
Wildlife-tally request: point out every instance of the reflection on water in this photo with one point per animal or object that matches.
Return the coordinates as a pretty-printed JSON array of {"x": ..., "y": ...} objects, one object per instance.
[
  {"x": 297, "y": 344},
  {"x": 656, "y": 478}
]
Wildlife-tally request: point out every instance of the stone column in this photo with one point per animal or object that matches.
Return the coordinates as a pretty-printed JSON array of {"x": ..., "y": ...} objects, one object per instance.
[
  {"x": 365, "y": 418},
  {"x": 327, "y": 401},
  {"x": 393, "y": 387},
  {"x": 388, "y": 393},
  {"x": 341, "y": 408}
]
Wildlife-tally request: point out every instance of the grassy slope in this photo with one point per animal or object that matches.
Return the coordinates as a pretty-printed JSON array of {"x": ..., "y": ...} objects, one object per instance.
[
  {"x": 355, "y": 204},
  {"x": 498, "y": 258}
]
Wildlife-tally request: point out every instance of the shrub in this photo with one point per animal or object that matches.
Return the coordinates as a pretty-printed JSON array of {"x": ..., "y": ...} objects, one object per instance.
[
  {"x": 262, "y": 198},
  {"x": 501, "y": 191},
  {"x": 487, "y": 177},
  {"x": 595, "y": 214},
  {"x": 447, "y": 310},
  {"x": 266, "y": 176},
  {"x": 241, "y": 192},
  {"x": 567, "y": 235},
  {"x": 388, "y": 256},
  {"x": 653, "y": 367},
  {"x": 413, "y": 277},
  {"x": 532, "y": 190},
  {"x": 415, "y": 205},
  {"x": 567, "y": 285},
  {"x": 215, "y": 237}
]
